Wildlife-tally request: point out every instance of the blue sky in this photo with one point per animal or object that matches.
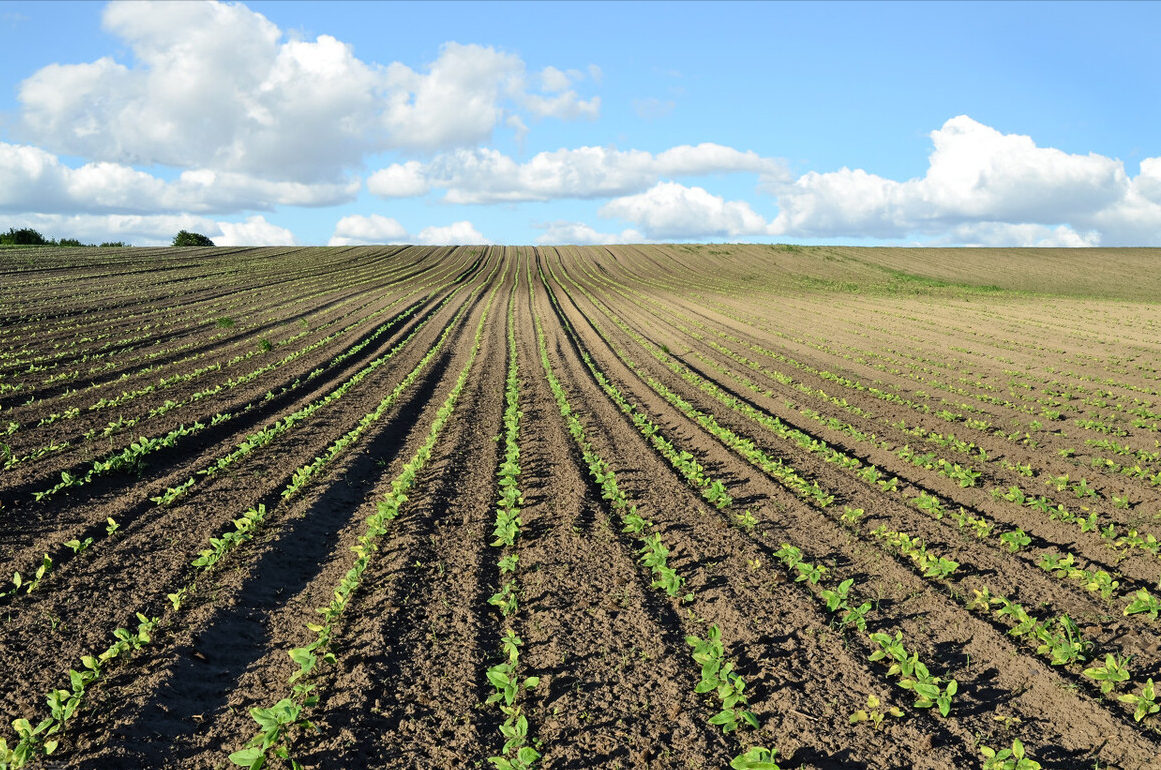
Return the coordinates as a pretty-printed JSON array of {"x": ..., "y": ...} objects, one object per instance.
[{"x": 865, "y": 123}]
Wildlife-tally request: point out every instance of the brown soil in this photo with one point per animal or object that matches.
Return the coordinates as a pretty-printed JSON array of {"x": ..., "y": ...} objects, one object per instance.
[{"x": 838, "y": 344}]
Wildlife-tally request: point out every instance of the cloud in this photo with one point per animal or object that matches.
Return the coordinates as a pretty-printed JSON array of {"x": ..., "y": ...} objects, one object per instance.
[
  {"x": 488, "y": 176},
  {"x": 356, "y": 230},
  {"x": 400, "y": 180},
  {"x": 566, "y": 106},
  {"x": 986, "y": 182},
  {"x": 553, "y": 80},
  {"x": 457, "y": 233},
  {"x": 459, "y": 100},
  {"x": 671, "y": 210},
  {"x": 562, "y": 232},
  {"x": 34, "y": 180},
  {"x": 255, "y": 231},
  {"x": 1005, "y": 234},
  {"x": 216, "y": 86},
  {"x": 1149, "y": 180},
  {"x": 154, "y": 229}
]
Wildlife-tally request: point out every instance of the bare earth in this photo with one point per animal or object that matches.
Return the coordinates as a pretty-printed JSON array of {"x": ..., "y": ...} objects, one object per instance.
[{"x": 872, "y": 411}]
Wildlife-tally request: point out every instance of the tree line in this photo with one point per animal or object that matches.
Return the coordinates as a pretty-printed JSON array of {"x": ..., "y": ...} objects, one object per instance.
[{"x": 26, "y": 236}]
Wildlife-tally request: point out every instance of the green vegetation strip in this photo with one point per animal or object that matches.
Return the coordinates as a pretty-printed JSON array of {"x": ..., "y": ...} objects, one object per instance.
[
  {"x": 717, "y": 675},
  {"x": 277, "y": 722},
  {"x": 515, "y": 754},
  {"x": 39, "y": 740}
]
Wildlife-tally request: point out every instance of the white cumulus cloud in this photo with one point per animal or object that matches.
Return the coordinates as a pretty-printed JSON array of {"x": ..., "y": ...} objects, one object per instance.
[
  {"x": 34, "y": 180},
  {"x": 255, "y": 231},
  {"x": 672, "y": 210},
  {"x": 456, "y": 233},
  {"x": 217, "y": 86},
  {"x": 1004, "y": 234},
  {"x": 488, "y": 176},
  {"x": 1001, "y": 185},
  {"x": 400, "y": 180},
  {"x": 563, "y": 232},
  {"x": 1149, "y": 180},
  {"x": 357, "y": 230}
]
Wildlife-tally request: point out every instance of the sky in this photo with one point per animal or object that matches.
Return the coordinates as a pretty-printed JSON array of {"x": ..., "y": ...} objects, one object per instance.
[{"x": 267, "y": 123}]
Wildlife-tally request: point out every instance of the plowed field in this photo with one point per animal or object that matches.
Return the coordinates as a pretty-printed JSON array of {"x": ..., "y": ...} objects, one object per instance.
[{"x": 626, "y": 507}]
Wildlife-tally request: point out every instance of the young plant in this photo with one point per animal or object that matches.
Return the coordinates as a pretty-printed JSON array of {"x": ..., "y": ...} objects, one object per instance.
[
  {"x": 274, "y": 722},
  {"x": 1015, "y": 540},
  {"x": 1145, "y": 703},
  {"x": 1065, "y": 644},
  {"x": 872, "y": 714},
  {"x": 717, "y": 676},
  {"x": 1143, "y": 602},
  {"x": 746, "y": 520},
  {"x": 1111, "y": 674},
  {"x": 756, "y": 758},
  {"x": 1008, "y": 759}
]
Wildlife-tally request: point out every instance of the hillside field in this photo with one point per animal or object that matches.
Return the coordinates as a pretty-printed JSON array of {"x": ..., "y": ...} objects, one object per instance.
[{"x": 662, "y": 507}]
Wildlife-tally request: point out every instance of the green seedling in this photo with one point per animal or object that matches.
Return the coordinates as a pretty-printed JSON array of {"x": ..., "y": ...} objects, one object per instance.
[
  {"x": 503, "y": 678},
  {"x": 78, "y": 545},
  {"x": 1065, "y": 645},
  {"x": 1111, "y": 674},
  {"x": 716, "y": 493},
  {"x": 838, "y": 597},
  {"x": 857, "y": 616},
  {"x": 788, "y": 555},
  {"x": 1145, "y": 703},
  {"x": 1015, "y": 540},
  {"x": 746, "y": 520},
  {"x": 505, "y": 598},
  {"x": 1008, "y": 759},
  {"x": 756, "y": 758},
  {"x": 873, "y": 715},
  {"x": 1145, "y": 603},
  {"x": 523, "y": 760},
  {"x": 717, "y": 676},
  {"x": 634, "y": 523},
  {"x": 809, "y": 572},
  {"x": 940, "y": 568},
  {"x": 852, "y": 515},
  {"x": 275, "y": 722},
  {"x": 926, "y": 687}
]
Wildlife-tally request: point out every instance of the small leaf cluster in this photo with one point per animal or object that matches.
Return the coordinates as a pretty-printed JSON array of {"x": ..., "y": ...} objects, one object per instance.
[
  {"x": 838, "y": 600},
  {"x": 717, "y": 676},
  {"x": 1008, "y": 759},
  {"x": 931, "y": 566},
  {"x": 508, "y": 686},
  {"x": 913, "y": 674}
]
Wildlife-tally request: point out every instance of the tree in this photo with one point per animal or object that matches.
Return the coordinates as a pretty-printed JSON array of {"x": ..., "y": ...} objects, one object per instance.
[
  {"x": 25, "y": 236},
  {"x": 191, "y": 239}
]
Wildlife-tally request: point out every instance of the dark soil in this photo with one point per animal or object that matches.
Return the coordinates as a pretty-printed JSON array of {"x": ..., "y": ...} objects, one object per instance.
[{"x": 840, "y": 348}]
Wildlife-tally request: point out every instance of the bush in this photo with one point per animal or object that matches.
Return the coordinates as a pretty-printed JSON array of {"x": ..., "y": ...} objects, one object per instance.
[{"x": 185, "y": 238}]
